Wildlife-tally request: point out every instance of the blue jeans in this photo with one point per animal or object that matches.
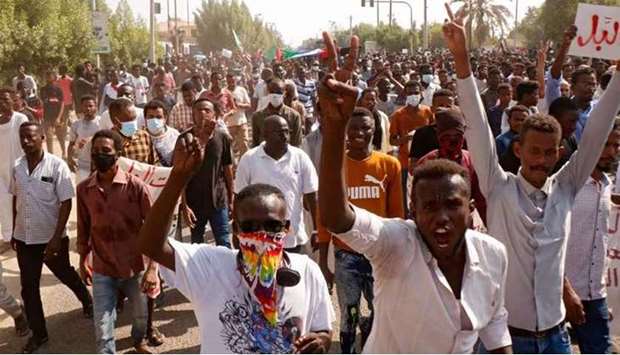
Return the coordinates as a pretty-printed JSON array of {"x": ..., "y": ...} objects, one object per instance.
[
  {"x": 593, "y": 335},
  {"x": 353, "y": 277},
  {"x": 404, "y": 174},
  {"x": 218, "y": 220},
  {"x": 105, "y": 290},
  {"x": 557, "y": 342}
]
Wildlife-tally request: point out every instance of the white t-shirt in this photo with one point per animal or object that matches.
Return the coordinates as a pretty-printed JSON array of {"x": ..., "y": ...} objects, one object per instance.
[
  {"x": 10, "y": 152},
  {"x": 238, "y": 117},
  {"x": 229, "y": 320},
  {"x": 294, "y": 174},
  {"x": 141, "y": 88},
  {"x": 81, "y": 133},
  {"x": 261, "y": 94},
  {"x": 164, "y": 145}
]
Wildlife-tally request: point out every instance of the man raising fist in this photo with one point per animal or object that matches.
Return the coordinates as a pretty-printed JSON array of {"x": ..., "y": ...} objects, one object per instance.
[{"x": 438, "y": 285}]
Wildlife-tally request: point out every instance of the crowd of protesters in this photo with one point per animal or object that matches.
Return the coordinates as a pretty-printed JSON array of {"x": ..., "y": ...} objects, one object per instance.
[{"x": 464, "y": 194}]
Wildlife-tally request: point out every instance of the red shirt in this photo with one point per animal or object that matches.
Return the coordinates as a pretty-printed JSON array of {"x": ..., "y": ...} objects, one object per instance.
[
  {"x": 224, "y": 98},
  {"x": 65, "y": 85},
  {"x": 109, "y": 223}
]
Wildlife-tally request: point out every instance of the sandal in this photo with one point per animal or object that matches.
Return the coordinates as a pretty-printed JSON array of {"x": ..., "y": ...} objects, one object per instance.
[{"x": 154, "y": 337}]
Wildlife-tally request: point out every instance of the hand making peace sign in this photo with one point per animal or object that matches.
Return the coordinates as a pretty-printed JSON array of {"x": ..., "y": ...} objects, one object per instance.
[{"x": 336, "y": 96}]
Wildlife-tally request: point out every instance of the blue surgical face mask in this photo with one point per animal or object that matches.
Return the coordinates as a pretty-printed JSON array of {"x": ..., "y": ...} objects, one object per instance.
[
  {"x": 155, "y": 125},
  {"x": 427, "y": 78},
  {"x": 128, "y": 129}
]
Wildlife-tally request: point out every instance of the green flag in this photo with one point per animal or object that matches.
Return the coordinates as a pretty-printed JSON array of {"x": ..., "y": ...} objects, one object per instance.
[{"x": 237, "y": 41}]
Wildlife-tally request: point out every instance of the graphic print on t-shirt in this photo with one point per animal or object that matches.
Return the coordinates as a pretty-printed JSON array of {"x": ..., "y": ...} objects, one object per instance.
[
  {"x": 368, "y": 192},
  {"x": 245, "y": 329}
]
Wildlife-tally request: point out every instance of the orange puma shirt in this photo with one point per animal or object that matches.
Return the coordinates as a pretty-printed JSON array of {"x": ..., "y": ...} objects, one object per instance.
[{"x": 372, "y": 184}]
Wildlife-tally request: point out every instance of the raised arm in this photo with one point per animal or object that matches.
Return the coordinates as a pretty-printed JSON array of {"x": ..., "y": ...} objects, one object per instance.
[
  {"x": 152, "y": 240},
  {"x": 337, "y": 104},
  {"x": 554, "y": 79},
  {"x": 541, "y": 59},
  {"x": 480, "y": 141},
  {"x": 592, "y": 142}
]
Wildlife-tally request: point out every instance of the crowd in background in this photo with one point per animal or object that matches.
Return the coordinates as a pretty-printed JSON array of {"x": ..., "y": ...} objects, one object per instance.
[{"x": 260, "y": 126}]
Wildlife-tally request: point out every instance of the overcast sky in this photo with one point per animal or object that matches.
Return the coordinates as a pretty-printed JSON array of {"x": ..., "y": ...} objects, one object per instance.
[{"x": 300, "y": 19}]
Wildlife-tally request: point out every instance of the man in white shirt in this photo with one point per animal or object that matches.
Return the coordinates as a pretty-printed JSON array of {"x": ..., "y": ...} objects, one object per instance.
[
  {"x": 80, "y": 134},
  {"x": 42, "y": 191},
  {"x": 236, "y": 121},
  {"x": 12, "y": 150},
  {"x": 140, "y": 84},
  {"x": 586, "y": 254},
  {"x": 127, "y": 91},
  {"x": 28, "y": 84},
  {"x": 261, "y": 93},
  {"x": 288, "y": 168},
  {"x": 259, "y": 299},
  {"x": 529, "y": 212},
  {"x": 438, "y": 285}
]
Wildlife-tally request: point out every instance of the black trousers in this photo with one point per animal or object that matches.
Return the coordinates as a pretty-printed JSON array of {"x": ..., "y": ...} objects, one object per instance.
[{"x": 30, "y": 261}]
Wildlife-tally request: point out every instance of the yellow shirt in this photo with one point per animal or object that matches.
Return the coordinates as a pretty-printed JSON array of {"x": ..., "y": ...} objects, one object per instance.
[{"x": 374, "y": 185}]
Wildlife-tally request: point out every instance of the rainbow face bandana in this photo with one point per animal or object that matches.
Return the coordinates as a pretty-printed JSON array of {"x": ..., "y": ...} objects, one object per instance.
[{"x": 259, "y": 259}]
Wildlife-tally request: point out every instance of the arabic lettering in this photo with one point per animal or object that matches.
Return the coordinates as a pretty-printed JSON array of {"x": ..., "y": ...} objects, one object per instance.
[{"x": 605, "y": 36}]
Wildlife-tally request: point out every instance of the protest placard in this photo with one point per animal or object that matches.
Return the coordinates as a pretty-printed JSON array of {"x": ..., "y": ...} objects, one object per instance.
[{"x": 598, "y": 30}]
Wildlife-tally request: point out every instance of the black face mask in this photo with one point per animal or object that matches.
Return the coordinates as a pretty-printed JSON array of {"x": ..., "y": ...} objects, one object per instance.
[{"x": 103, "y": 162}]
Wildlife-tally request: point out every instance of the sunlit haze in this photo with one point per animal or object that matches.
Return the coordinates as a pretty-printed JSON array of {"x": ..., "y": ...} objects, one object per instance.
[{"x": 297, "y": 20}]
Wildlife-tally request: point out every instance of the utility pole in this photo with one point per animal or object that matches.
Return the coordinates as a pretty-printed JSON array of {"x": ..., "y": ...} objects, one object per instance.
[
  {"x": 94, "y": 3},
  {"x": 152, "y": 23},
  {"x": 425, "y": 33},
  {"x": 168, "y": 13},
  {"x": 516, "y": 21},
  {"x": 378, "y": 14},
  {"x": 189, "y": 26},
  {"x": 176, "y": 29},
  {"x": 390, "y": 13},
  {"x": 350, "y": 25}
]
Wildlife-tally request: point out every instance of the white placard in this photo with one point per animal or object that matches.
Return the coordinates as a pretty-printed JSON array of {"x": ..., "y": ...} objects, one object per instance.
[
  {"x": 227, "y": 53},
  {"x": 100, "y": 32},
  {"x": 598, "y": 32},
  {"x": 155, "y": 177}
]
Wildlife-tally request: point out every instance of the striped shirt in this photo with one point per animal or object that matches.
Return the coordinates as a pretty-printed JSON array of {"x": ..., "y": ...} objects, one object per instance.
[
  {"x": 306, "y": 92},
  {"x": 586, "y": 254}
]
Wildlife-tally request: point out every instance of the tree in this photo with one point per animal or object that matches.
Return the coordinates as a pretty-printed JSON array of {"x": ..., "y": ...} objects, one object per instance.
[
  {"x": 129, "y": 37},
  {"x": 43, "y": 33},
  {"x": 392, "y": 39},
  {"x": 436, "y": 39},
  {"x": 551, "y": 20},
  {"x": 485, "y": 19},
  {"x": 216, "y": 20}
]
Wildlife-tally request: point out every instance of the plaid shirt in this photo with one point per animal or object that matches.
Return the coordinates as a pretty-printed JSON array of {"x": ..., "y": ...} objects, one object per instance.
[
  {"x": 139, "y": 148},
  {"x": 181, "y": 117}
]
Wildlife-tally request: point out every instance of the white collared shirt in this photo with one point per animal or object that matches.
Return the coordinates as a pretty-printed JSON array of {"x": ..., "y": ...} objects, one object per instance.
[
  {"x": 586, "y": 255},
  {"x": 415, "y": 309},
  {"x": 38, "y": 196},
  {"x": 533, "y": 226},
  {"x": 293, "y": 174}
]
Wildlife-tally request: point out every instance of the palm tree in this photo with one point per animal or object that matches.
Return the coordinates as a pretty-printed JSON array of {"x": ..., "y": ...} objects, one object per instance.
[{"x": 485, "y": 19}]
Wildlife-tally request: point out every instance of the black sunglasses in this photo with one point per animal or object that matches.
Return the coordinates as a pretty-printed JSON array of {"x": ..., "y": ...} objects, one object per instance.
[{"x": 269, "y": 226}]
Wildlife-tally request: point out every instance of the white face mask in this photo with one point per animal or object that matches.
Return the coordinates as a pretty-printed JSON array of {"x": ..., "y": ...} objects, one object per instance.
[
  {"x": 413, "y": 100},
  {"x": 427, "y": 78},
  {"x": 276, "y": 100}
]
